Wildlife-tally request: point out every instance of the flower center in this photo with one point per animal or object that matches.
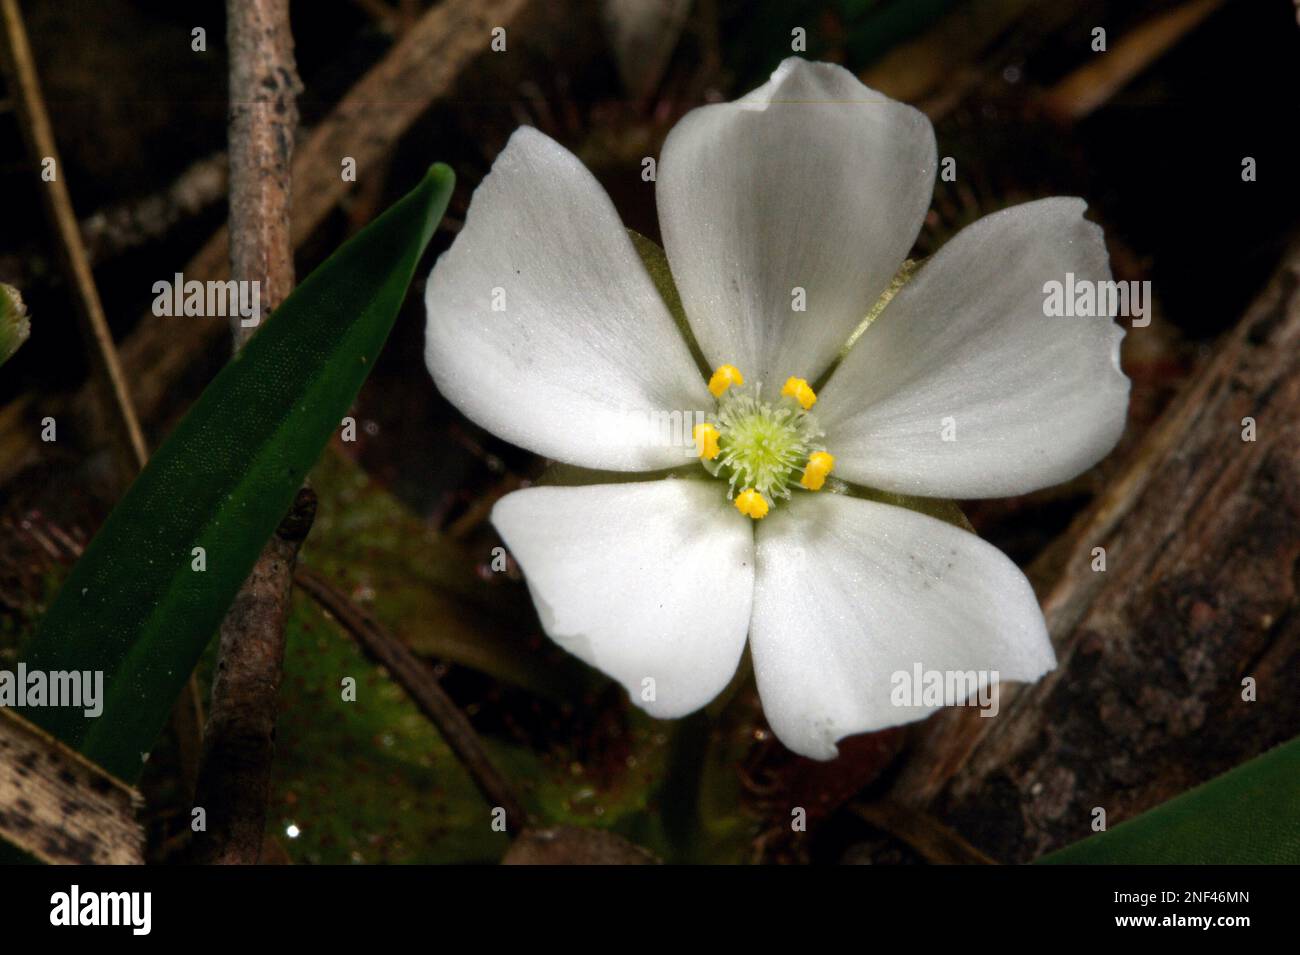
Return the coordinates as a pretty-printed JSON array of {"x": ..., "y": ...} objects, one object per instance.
[{"x": 762, "y": 449}]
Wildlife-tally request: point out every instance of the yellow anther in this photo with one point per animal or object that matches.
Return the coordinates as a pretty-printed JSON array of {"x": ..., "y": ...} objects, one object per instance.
[
  {"x": 814, "y": 474},
  {"x": 706, "y": 441},
  {"x": 800, "y": 391},
  {"x": 724, "y": 378},
  {"x": 750, "y": 503}
]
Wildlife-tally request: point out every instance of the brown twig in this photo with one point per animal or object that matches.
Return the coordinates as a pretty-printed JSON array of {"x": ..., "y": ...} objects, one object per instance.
[
  {"x": 415, "y": 677},
  {"x": 264, "y": 87},
  {"x": 943, "y": 66},
  {"x": 127, "y": 225},
  {"x": 931, "y": 839},
  {"x": 422, "y": 66},
  {"x": 123, "y": 226},
  {"x": 1093, "y": 85},
  {"x": 113, "y": 230},
  {"x": 60, "y": 807},
  {"x": 235, "y": 777},
  {"x": 20, "y": 70},
  {"x": 234, "y": 784},
  {"x": 479, "y": 510}
]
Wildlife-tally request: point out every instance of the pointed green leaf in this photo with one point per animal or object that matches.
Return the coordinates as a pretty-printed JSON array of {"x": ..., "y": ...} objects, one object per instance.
[{"x": 135, "y": 606}]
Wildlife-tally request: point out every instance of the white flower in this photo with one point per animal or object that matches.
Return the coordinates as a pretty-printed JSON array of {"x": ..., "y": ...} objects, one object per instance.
[{"x": 545, "y": 328}]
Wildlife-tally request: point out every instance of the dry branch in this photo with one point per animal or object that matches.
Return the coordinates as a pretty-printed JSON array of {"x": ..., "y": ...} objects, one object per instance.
[
  {"x": 1092, "y": 85},
  {"x": 934, "y": 842},
  {"x": 264, "y": 88},
  {"x": 234, "y": 784},
  {"x": 58, "y": 806},
  {"x": 127, "y": 225},
  {"x": 969, "y": 45}
]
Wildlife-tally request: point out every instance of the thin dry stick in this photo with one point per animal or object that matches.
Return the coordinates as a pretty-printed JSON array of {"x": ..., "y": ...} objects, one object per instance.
[
  {"x": 264, "y": 87},
  {"x": 35, "y": 124},
  {"x": 1092, "y": 86},
  {"x": 415, "y": 677},
  {"x": 234, "y": 784},
  {"x": 934, "y": 841},
  {"x": 124, "y": 226},
  {"x": 20, "y": 70},
  {"x": 127, "y": 225}
]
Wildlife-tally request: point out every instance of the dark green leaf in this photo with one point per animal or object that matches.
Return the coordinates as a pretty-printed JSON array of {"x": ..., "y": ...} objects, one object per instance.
[{"x": 134, "y": 606}]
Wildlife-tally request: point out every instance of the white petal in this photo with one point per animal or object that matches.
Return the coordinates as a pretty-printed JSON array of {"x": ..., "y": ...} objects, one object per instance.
[
  {"x": 1032, "y": 400},
  {"x": 850, "y": 592},
  {"x": 644, "y": 581},
  {"x": 811, "y": 181},
  {"x": 584, "y": 364}
]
